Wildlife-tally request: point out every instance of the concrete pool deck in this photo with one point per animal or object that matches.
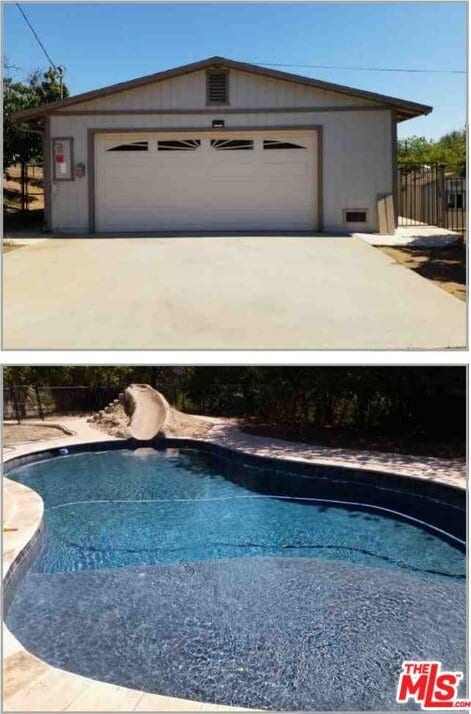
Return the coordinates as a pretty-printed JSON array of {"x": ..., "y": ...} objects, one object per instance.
[{"x": 31, "y": 684}]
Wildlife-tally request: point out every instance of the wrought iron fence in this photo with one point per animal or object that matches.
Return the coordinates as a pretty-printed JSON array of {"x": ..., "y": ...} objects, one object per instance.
[
  {"x": 455, "y": 194},
  {"x": 429, "y": 195},
  {"x": 27, "y": 401},
  {"x": 23, "y": 188}
]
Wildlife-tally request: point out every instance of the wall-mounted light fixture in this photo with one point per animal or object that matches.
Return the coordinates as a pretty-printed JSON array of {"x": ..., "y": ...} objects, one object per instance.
[{"x": 218, "y": 123}]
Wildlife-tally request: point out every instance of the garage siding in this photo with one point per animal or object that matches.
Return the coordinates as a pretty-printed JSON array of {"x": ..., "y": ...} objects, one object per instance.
[
  {"x": 357, "y": 157},
  {"x": 246, "y": 91}
]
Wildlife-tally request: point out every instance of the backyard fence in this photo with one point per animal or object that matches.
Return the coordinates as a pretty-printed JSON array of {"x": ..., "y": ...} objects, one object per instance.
[
  {"x": 28, "y": 401},
  {"x": 429, "y": 195},
  {"x": 455, "y": 187},
  {"x": 23, "y": 188}
]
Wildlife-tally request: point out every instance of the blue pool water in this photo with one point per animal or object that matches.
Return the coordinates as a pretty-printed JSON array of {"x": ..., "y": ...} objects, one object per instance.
[{"x": 158, "y": 572}]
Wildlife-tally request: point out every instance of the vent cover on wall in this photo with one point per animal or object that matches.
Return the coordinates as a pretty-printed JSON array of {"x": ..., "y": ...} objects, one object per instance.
[
  {"x": 217, "y": 86},
  {"x": 355, "y": 216}
]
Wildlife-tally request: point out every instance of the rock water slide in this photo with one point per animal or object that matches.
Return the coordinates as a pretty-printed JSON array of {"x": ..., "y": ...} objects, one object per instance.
[
  {"x": 142, "y": 413},
  {"x": 147, "y": 410}
]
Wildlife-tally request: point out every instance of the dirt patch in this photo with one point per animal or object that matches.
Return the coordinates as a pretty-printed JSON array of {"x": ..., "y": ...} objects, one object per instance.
[
  {"x": 14, "y": 434},
  {"x": 179, "y": 424},
  {"x": 342, "y": 438},
  {"x": 446, "y": 267},
  {"x": 8, "y": 247}
]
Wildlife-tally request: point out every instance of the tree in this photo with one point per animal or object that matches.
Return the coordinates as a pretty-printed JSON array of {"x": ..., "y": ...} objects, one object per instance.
[
  {"x": 47, "y": 85},
  {"x": 427, "y": 402},
  {"x": 415, "y": 148},
  {"x": 40, "y": 87},
  {"x": 17, "y": 145},
  {"x": 450, "y": 150}
]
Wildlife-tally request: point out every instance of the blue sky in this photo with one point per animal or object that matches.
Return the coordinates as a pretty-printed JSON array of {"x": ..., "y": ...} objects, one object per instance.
[{"x": 104, "y": 43}]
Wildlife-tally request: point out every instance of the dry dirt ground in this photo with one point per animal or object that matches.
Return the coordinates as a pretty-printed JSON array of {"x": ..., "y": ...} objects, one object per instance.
[
  {"x": 12, "y": 188},
  {"x": 7, "y": 247},
  {"x": 22, "y": 433},
  {"x": 446, "y": 267}
]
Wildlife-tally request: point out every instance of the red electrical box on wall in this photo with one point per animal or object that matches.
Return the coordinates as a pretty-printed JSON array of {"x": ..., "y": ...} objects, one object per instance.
[{"x": 62, "y": 151}]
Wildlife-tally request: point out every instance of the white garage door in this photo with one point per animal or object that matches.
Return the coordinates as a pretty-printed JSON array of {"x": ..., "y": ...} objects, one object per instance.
[{"x": 184, "y": 182}]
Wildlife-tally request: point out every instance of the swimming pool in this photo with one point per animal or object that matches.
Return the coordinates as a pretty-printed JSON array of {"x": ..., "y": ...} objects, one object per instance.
[{"x": 193, "y": 573}]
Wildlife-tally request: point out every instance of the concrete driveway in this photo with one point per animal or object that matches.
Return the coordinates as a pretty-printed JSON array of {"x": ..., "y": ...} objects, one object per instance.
[{"x": 218, "y": 292}]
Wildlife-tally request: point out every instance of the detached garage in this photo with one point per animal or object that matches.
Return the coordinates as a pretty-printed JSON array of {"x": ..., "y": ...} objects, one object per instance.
[{"x": 216, "y": 146}]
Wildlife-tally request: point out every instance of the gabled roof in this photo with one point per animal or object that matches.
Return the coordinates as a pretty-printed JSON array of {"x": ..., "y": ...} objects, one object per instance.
[{"x": 405, "y": 109}]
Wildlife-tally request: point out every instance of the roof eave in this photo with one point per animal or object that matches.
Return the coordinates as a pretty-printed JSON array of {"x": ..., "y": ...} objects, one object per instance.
[
  {"x": 50, "y": 107},
  {"x": 403, "y": 115},
  {"x": 405, "y": 108}
]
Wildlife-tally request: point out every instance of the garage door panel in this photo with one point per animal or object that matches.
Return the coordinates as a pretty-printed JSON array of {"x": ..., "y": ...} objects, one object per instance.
[
  {"x": 191, "y": 223},
  {"x": 274, "y": 196},
  {"x": 207, "y": 187}
]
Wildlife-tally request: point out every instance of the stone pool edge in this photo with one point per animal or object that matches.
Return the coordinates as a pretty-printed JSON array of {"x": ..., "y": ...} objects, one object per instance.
[{"x": 30, "y": 684}]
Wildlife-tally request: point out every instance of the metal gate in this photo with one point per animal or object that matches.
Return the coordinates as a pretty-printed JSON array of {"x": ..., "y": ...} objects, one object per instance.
[
  {"x": 455, "y": 194},
  {"x": 23, "y": 188},
  {"x": 428, "y": 195}
]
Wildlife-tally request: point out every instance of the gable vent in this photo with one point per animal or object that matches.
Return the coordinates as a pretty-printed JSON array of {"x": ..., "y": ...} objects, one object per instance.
[{"x": 217, "y": 87}]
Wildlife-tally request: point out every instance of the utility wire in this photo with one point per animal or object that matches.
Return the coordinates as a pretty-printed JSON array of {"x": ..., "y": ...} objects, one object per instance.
[
  {"x": 273, "y": 64},
  {"x": 59, "y": 70},
  {"x": 36, "y": 35},
  {"x": 367, "y": 69}
]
